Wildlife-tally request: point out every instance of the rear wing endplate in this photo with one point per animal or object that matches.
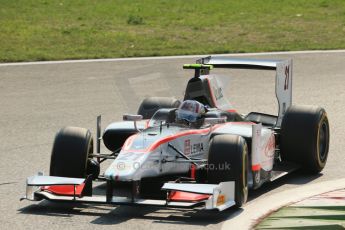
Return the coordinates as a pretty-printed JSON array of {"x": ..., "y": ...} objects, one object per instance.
[{"x": 283, "y": 70}]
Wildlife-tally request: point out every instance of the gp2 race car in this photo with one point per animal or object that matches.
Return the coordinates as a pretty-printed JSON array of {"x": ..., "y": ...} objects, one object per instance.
[{"x": 158, "y": 160}]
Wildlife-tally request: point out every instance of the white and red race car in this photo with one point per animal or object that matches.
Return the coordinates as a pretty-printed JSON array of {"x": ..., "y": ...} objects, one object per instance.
[{"x": 212, "y": 164}]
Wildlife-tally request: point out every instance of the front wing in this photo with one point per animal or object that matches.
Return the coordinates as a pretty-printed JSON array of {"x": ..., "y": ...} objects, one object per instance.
[{"x": 181, "y": 195}]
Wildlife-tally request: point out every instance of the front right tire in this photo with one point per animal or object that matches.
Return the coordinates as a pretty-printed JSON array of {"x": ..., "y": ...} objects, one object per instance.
[{"x": 229, "y": 150}]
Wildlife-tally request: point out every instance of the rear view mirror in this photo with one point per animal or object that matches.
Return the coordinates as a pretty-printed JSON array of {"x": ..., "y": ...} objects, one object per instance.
[
  {"x": 215, "y": 120},
  {"x": 132, "y": 117}
]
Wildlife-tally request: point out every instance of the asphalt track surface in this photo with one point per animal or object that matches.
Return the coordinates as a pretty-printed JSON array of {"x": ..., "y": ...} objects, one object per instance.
[{"x": 37, "y": 100}]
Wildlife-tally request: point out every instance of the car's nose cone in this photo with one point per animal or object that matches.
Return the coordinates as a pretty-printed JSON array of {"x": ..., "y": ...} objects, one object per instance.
[{"x": 130, "y": 166}]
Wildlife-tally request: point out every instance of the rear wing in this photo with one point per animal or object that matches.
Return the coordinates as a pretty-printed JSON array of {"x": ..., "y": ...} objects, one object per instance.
[{"x": 283, "y": 70}]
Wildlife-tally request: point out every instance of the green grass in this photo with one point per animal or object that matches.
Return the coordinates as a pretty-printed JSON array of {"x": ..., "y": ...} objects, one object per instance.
[
  {"x": 305, "y": 217},
  {"x": 72, "y": 29}
]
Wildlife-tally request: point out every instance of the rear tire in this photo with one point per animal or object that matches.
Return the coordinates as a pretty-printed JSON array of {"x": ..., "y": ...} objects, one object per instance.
[
  {"x": 151, "y": 104},
  {"x": 305, "y": 137},
  {"x": 232, "y": 150},
  {"x": 71, "y": 150}
]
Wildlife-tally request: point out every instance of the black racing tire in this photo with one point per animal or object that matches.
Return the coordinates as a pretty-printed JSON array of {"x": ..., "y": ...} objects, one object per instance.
[
  {"x": 305, "y": 137},
  {"x": 151, "y": 104},
  {"x": 71, "y": 150},
  {"x": 231, "y": 150}
]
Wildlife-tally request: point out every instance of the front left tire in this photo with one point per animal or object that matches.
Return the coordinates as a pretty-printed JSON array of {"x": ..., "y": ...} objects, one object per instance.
[{"x": 70, "y": 155}]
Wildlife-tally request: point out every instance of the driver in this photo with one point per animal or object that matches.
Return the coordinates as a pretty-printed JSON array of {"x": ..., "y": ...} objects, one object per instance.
[{"x": 191, "y": 113}]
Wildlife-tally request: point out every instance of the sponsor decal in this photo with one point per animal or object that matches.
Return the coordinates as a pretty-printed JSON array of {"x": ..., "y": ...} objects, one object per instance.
[
  {"x": 287, "y": 76},
  {"x": 270, "y": 147},
  {"x": 197, "y": 148},
  {"x": 220, "y": 199},
  {"x": 192, "y": 148},
  {"x": 187, "y": 147},
  {"x": 257, "y": 177},
  {"x": 218, "y": 93}
]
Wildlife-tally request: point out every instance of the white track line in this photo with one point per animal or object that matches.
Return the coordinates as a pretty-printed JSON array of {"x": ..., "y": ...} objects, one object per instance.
[
  {"x": 253, "y": 211},
  {"x": 167, "y": 57}
]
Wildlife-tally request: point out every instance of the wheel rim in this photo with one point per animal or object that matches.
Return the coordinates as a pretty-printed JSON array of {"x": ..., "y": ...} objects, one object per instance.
[{"x": 323, "y": 141}]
